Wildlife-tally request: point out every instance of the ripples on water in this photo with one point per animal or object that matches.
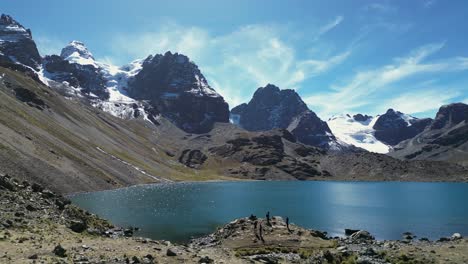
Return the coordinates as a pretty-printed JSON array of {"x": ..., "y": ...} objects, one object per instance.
[{"x": 180, "y": 211}]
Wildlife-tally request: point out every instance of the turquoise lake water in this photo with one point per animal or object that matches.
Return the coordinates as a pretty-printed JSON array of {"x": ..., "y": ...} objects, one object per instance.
[{"x": 181, "y": 211}]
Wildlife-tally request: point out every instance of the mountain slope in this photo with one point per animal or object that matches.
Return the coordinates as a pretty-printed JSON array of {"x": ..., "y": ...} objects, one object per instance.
[
  {"x": 446, "y": 138},
  {"x": 71, "y": 146}
]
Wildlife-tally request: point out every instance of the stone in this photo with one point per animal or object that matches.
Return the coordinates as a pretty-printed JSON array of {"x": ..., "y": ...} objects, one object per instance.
[
  {"x": 48, "y": 194},
  {"x": 34, "y": 256},
  {"x": 60, "y": 251},
  {"x": 128, "y": 232},
  {"x": 37, "y": 188},
  {"x": 7, "y": 184},
  {"x": 349, "y": 232},
  {"x": 342, "y": 248},
  {"x": 362, "y": 235},
  {"x": 171, "y": 252},
  {"x": 30, "y": 207},
  {"x": 456, "y": 236},
  {"x": 78, "y": 226},
  {"x": 135, "y": 259},
  {"x": 206, "y": 260}
]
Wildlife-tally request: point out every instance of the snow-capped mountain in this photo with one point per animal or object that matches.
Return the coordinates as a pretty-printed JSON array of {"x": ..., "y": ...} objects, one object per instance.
[
  {"x": 271, "y": 107},
  {"x": 376, "y": 134},
  {"x": 168, "y": 85}
]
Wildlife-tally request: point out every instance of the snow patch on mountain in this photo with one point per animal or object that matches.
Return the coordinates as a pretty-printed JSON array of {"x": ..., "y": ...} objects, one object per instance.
[
  {"x": 77, "y": 52},
  {"x": 357, "y": 133},
  {"x": 117, "y": 80}
]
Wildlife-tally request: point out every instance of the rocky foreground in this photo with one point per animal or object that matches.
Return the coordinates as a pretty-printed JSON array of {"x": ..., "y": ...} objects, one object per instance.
[{"x": 39, "y": 226}]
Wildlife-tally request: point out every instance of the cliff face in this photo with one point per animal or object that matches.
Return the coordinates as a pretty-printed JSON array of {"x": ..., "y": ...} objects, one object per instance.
[
  {"x": 272, "y": 108},
  {"x": 394, "y": 127},
  {"x": 16, "y": 43},
  {"x": 175, "y": 86},
  {"x": 445, "y": 138}
]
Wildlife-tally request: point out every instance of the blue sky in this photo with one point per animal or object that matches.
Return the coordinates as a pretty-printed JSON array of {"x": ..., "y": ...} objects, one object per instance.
[{"x": 341, "y": 56}]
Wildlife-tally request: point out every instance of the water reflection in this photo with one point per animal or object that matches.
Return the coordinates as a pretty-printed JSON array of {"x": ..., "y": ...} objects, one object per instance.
[{"x": 180, "y": 211}]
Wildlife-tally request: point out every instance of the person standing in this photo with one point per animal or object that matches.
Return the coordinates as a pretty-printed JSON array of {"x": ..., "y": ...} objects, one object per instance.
[{"x": 260, "y": 232}]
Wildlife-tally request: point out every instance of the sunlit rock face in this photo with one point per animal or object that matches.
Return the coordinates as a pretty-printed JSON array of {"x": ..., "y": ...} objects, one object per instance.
[
  {"x": 271, "y": 107},
  {"x": 16, "y": 44},
  {"x": 175, "y": 86},
  {"x": 394, "y": 127}
]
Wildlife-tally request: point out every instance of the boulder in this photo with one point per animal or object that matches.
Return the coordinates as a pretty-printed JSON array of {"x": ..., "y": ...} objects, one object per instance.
[
  {"x": 128, "y": 232},
  {"x": 349, "y": 232},
  {"x": 171, "y": 252},
  {"x": 362, "y": 235},
  {"x": 37, "y": 188},
  {"x": 7, "y": 184},
  {"x": 456, "y": 236},
  {"x": 60, "y": 251},
  {"x": 78, "y": 226},
  {"x": 206, "y": 260}
]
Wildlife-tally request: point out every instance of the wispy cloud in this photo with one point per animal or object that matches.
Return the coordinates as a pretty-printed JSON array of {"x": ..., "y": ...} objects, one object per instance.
[
  {"x": 238, "y": 62},
  {"x": 329, "y": 26},
  {"x": 362, "y": 89},
  {"x": 429, "y": 3},
  {"x": 381, "y": 6},
  {"x": 420, "y": 101},
  {"x": 48, "y": 46}
]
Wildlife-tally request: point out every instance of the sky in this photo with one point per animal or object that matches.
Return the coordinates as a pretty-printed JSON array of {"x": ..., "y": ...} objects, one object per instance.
[{"x": 340, "y": 56}]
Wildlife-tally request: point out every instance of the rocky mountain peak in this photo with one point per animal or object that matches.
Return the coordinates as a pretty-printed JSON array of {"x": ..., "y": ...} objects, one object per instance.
[
  {"x": 77, "y": 52},
  {"x": 8, "y": 24},
  {"x": 394, "y": 127},
  {"x": 176, "y": 87},
  {"x": 450, "y": 115},
  {"x": 16, "y": 44},
  {"x": 271, "y": 107},
  {"x": 172, "y": 74}
]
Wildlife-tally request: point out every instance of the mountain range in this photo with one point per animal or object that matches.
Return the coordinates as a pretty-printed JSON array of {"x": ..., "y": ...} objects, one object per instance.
[{"x": 78, "y": 124}]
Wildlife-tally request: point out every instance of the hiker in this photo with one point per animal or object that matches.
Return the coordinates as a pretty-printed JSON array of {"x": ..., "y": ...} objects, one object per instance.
[
  {"x": 260, "y": 232},
  {"x": 287, "y": 224},
  {"x": 268, "y": 218}
]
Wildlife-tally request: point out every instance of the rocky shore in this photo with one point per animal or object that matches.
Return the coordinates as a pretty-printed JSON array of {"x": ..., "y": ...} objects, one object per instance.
[{"x": 39, "y": 226}]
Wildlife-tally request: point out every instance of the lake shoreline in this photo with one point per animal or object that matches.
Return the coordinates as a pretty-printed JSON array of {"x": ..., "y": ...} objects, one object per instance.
[
  {"x": 50, "y": 229},
  {"x": 253, "y": 180}
]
